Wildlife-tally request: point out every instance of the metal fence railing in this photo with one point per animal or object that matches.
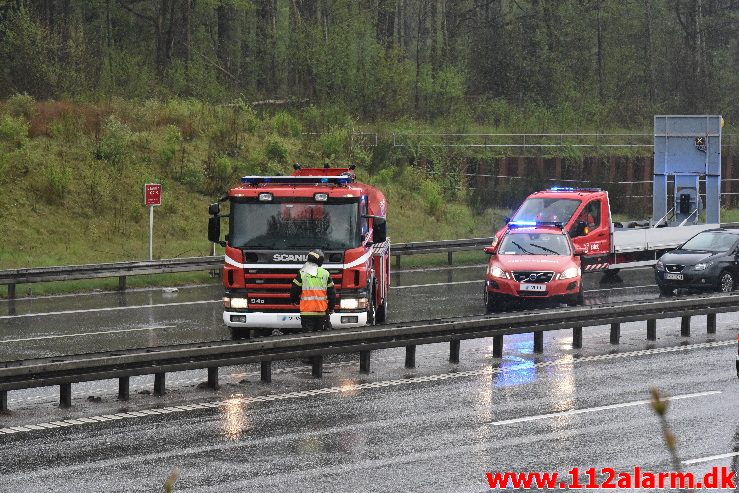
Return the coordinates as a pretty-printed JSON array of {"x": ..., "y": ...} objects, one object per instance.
[
  {"x": 122, "y": 270},
  {"x": 123, "y": 364}
]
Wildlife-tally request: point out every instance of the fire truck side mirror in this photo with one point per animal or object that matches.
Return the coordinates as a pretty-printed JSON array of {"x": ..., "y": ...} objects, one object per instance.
[
  {"x": 490, "y": 250},
  {"x": 379, "y": 230},
  {"x": 214, "y": 230}
]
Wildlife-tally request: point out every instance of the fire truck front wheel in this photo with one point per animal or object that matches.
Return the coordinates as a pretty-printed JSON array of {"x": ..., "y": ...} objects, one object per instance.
[{"x": 240, "y": 333}]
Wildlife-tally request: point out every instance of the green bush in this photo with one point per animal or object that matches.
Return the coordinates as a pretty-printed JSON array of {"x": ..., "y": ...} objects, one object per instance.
[
  {"x": 13, "y": 132},
  {"x": 58, "y": 180},
  {"x": 113, "y": 146},
  {"x": 276, "y": 150},
  {"x": 433, "y": 198},
  {"x": 333, "y": 144},
  {"x": 286, "y": 125},
  {"x": 22, "y": 105}
]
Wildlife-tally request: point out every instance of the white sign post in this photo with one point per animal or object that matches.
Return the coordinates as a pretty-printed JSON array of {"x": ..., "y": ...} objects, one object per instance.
[{"x": 152, "y": 197}]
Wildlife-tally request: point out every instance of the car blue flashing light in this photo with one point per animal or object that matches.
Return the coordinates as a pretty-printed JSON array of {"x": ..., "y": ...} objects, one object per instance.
[
  {"x": 522, "y": 223},
  {"x": 297, "y": 180},
  {"x": 572, "y": 189},
  {"x": 562, "y": 189}
]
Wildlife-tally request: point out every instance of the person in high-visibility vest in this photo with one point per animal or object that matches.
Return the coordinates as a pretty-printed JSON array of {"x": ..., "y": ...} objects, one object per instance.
[{"x": 314, "y": 290}]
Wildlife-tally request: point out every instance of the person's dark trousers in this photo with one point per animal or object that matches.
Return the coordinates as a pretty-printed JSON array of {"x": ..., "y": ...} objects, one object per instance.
[{"x": 313, "y": 323}]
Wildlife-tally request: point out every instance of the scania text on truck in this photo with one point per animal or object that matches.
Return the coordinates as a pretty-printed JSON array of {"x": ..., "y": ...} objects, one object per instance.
[
  {"x": 687, "y": 167},
  {"x": 273, "y": 221}
]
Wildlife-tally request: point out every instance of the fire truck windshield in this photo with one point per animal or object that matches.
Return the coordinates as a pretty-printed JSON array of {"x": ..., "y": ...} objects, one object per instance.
[
  {"x": 546, "y": 209},
  {"x": 278, "y": 225}
]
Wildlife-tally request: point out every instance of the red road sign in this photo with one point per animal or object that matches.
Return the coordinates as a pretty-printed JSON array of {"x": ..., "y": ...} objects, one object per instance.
[{"x": 153, "y": 194}]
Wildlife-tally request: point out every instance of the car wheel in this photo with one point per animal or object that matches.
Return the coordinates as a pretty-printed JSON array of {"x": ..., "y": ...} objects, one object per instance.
[
  {"x": 493, "y": 303},
  {"x": 578, "y": 299},
  {"x": 725, "y": 282},
  {"x": 665, "y": 291}
]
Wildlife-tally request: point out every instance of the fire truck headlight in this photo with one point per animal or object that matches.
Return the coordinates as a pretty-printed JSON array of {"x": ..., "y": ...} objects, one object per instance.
[
  {"x": 570, "y": 273},
  {"x": 320, "y": 197},
  {"x": 265, "y": 197},
  {"x": 353, "y": 303},
  {"x": 496, "y": 271},
  {"x": 237, "y": 303}
]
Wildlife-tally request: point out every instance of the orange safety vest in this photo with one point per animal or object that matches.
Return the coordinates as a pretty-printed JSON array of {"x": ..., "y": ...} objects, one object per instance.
[{"x": 314, "y": 292}]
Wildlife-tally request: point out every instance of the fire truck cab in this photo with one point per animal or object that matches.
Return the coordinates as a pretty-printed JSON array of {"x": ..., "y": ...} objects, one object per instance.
[{"x": 275, "y": 220}]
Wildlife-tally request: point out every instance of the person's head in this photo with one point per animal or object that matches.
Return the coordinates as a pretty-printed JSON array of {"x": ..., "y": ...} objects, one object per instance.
[{"x": 315, "y": 256}]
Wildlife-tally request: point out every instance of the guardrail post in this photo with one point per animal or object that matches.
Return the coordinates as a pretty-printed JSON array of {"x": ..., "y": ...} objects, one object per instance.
[
  {"x": 124, "y": 388},
  {"x": 266, "y": 371},
  {"x": 3, "y": 401},
  {"x": 454, "y": 346},
  {"x": 65, "y": 395},
  {"x": 577, "y": 337},
  {"x": 711, "y": 323},
  {"x": 397, "y": 261},
  {"x": 317, "y": 364},
  {"x": 685, "y": 326},
  {"x": 121, "y": 283},
  {"x": 615, "y": 333},
  {"x": 11, "y": 291},
  {"x": 364, "y": 361},
  {"x": 498, "y": 346},
  {"x": 213, "y": 378},
  {"x": 449, "y": 257},
  {"x": 539, "y": 341},
  {"x": 159, "y": 384},
  {"x": 652, "y": 329},
  {"x": 410, "y": 356}
]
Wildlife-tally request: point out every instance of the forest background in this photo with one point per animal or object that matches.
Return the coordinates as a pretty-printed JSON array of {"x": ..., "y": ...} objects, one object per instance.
[{"x": 98, "y": 97}]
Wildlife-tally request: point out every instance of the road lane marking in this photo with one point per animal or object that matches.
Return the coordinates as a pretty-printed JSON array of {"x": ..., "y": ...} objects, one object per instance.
[
  {"x": 356, "y": 388},
  {"x": 711, "y": 458},
  {"x": 108, "y": 309},
  {"x": 573, "y": 412},
  {"x": 83, "y": 334}
]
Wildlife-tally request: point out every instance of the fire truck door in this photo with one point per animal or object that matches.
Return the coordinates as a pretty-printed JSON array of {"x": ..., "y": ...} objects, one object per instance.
[{"x": 590, "y": 228}]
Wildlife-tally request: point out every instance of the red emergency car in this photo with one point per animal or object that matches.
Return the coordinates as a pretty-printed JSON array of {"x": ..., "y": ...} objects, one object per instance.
[{"x": 533, "y": 260}]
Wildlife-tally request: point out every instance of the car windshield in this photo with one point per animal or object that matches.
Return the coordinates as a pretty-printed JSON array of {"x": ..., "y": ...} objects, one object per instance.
[
  {"x": 710, "y": 241},
  {"x": 534, "y": 244},
  {"x": 278, "y": 225},
  {"x": 546, "y": 209}
]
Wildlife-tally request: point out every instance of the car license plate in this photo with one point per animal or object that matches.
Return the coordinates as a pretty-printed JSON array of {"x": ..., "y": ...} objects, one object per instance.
[
  {"x": 533, "y": 287},
  {"x": 673, "y": 277}
]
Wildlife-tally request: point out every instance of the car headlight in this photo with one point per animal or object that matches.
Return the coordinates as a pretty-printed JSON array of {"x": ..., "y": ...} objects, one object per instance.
[
  {"x": 353, "y": 303},
  {"x": 703, "y": 266},
  {"x": 570, "y": 273},
  {"x": 237, "y": 303},
  {"x": 659, "y": 265},
  {"x": 496, "y": 271}
]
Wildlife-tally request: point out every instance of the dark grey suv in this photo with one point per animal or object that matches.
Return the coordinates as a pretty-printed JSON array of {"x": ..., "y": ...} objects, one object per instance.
[{"x": 708, "y": 261}]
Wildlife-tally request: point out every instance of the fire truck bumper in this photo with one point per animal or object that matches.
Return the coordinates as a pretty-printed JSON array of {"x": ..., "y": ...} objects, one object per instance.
[{"x": 339, "y": 320}]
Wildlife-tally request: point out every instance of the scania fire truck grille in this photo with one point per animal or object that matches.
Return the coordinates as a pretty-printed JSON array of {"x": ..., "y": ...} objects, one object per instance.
[
  {"x": 529, "y": 276},
  {"x": 674, "y": 268}
]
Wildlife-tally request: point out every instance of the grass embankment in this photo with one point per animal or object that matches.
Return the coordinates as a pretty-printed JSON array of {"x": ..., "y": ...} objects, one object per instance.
[{"x": 72, "y": 178}]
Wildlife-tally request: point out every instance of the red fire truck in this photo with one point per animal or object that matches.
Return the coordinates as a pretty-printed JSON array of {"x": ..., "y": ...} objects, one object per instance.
[{"x": 275, "y": 220}]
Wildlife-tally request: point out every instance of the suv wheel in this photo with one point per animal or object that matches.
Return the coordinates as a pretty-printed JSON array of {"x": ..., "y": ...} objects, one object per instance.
[{"x": 725, "y": 282}]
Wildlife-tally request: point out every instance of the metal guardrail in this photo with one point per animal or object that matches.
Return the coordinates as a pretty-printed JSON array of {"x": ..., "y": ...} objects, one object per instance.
[
  {"x": 122, "y": 270},
  {"x": 64, "y": 371}
]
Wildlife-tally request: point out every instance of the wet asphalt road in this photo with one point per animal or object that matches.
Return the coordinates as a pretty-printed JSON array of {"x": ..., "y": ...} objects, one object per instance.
[{"x": 438, "y": 427}]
